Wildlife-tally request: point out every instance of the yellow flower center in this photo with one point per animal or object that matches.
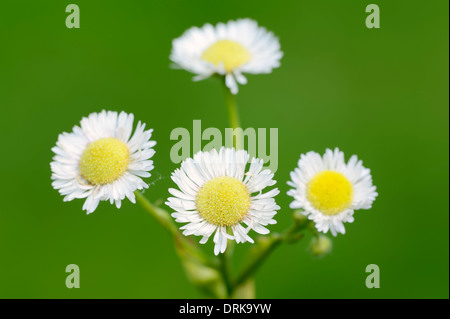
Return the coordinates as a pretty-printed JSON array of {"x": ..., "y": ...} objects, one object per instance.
[
  {"x": 104, "y": 161},
  {"x": 223, "y": 201},
  {"x": 230, "y": 53},
  {"x": 330, "y": 192}
]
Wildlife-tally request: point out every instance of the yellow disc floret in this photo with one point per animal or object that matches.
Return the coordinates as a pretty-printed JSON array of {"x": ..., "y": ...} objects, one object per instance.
[
  {"x": 223, "y": 201},
  {"x": 330, "y": 192},
  {"x": 230, "y": 53},
  {"x": 104, "y": 161}
]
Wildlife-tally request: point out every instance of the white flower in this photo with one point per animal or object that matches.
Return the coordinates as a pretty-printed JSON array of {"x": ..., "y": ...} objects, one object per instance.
[
  {"x": 100, "y": 160},
  {"x": 330, "y": 190},
  {"x": 229, "y": 49},
  {"x": 217, "y": 193}
]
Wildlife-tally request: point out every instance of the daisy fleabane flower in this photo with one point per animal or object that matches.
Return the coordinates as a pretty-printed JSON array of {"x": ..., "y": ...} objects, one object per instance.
[
  {"x": 229, "y": 49},
  {"x": 219, "y": 194},
  {"x": 330, "y": 190},
  {"x": 100, "y": 160}
]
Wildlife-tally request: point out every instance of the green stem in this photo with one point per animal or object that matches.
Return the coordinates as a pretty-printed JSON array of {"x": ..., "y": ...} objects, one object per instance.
[
  {"x": 184, "y": 246},
  {"x": 266, "y": 246},
  {"x": 161, "y": 216},
  {"x": 257, "y": 259},
  {"x": 233, "y": 115},
  {"x": 224, "y": 268}
]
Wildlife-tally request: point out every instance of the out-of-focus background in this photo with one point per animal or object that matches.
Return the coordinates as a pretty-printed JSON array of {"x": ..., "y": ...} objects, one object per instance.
[{"x": 379, "y": 93}]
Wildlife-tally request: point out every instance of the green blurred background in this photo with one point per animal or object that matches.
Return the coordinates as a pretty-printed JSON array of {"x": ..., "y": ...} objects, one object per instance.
[{"x": 381, "y": 94}]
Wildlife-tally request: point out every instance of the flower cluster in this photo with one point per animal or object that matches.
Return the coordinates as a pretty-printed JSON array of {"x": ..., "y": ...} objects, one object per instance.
[{"x": 223, "y": 193}]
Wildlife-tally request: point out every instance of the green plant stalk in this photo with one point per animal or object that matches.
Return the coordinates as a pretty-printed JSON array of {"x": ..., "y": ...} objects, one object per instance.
[
  {"x": 233, "y": 116},
  {"x": 266, "y": 246},
  {"x": 224, "y": 268},
  {"x": 161, "y": 216},
  {"x": 259, "y": 256},
  {"x": 165, "y": 220}
]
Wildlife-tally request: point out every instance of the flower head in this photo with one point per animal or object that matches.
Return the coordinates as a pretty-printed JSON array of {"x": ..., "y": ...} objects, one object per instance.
[
  {"x": 330, "y": 190},
  {"x": 217, "y": 193},
  {"x": 229, "y": 49},
  {"x": 100, "y": 160}
]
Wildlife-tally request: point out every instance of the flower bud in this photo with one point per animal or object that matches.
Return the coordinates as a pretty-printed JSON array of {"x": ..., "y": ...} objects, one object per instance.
[
  {"x": 205, "y": 278},
  {"x": 320, "y": 245},
  {"x": 299, "y": 217}
]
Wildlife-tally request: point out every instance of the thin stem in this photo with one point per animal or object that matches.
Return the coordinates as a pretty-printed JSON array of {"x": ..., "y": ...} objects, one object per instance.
[
  {"x": 233, "y": 115},
  {"x": 184, "y": 246},
  {"x": 161, "y": 216},
  {"x": 257, "y": 259},
  {"x": 266, "y": 247},
  {"x": 225, "y": 270}
]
